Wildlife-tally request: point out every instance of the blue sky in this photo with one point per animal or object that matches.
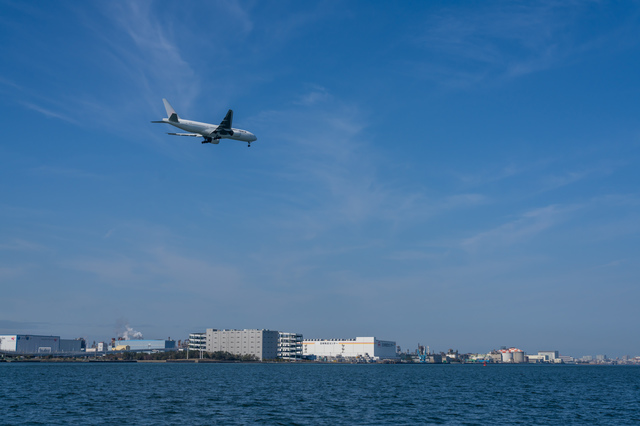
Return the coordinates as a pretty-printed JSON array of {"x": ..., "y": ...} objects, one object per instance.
[{"x": 457, "y": 174}]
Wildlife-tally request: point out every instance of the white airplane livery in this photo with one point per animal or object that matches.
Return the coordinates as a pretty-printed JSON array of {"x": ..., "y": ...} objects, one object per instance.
[{"x": 210, "y": 132}]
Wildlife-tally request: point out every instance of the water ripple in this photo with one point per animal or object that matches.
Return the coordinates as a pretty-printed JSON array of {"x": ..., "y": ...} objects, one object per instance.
[{"x": 302, "y": 394}]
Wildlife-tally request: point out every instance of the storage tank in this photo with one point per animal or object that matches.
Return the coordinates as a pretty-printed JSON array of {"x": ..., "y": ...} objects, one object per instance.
[
  {"x": 518, "y": 356},
  {"x": 507, "y": 356}
]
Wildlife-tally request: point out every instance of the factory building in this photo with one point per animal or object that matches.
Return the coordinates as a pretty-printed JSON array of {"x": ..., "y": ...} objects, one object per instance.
[
  {"x": 39, "y": 345},
  {"x": 72, "y": 345},
  {"x": 146, "y": 345},
  {"x": 535, "y": 359},
  {"x": 549, "y": 356},
  {"x": 289, "y": 346},
  {"x": 368, "y": 348},
  {"x": 104, "y": 347},
  {"x": 262, "y": 344},
  {"x": 150, "y": 345}
]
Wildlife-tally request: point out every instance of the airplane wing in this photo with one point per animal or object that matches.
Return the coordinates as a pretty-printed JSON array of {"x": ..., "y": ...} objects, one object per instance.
[
  {"x": 225, "y": 126},
  {"x": 226, "y": 121},
  {"x": 195, "y": 135}
]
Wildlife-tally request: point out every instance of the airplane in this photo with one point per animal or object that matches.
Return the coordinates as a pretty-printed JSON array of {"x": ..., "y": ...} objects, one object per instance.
[{"x": 210, "y": 132}]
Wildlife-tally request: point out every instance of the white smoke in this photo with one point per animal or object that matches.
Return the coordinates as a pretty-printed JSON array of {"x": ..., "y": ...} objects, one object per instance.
[
  {"x": 124, "y": 330},
  {"x": 131, "y": 334}
]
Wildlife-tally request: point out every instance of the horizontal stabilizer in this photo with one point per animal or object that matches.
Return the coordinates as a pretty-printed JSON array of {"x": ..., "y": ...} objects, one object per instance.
[{"x": 195, "y": 135}]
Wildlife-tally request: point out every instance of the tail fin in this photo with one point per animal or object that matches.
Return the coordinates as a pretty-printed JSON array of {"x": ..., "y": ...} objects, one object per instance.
[{"x": 171, "y": 113}]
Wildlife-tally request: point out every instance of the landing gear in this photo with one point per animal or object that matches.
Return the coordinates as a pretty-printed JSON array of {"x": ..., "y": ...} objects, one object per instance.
[
  {"x": 206, "y": 140},
  {"x": 248, "y": 144}
]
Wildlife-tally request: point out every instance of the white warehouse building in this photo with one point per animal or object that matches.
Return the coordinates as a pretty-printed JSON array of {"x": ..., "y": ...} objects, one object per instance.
[
  {"x": 263, "y": 344},
  {"x": 360, "y": 347}
]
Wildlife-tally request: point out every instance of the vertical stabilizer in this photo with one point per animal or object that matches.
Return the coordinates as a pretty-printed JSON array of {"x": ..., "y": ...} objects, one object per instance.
[{"x": 171, "y": 113}]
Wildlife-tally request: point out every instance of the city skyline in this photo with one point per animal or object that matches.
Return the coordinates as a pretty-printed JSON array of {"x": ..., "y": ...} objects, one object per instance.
[
  {"x": 197, "y": 341},
  {"x": 442, "y": 173}
]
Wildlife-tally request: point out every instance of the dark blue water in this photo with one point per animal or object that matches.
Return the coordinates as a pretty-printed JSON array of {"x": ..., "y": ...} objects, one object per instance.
[{"x": 286, "y": 394}]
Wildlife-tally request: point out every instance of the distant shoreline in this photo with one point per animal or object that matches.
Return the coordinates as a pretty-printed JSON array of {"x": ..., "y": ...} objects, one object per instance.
[{"x": 212, "y": 361}]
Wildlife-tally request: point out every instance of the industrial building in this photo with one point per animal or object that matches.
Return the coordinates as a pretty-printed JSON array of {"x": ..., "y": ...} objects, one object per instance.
[
  {"x": 258, "y": 343},
  {"x": 146, "y": 345},
  {"x": 104, "y": 347},
  {"x": 289, "y": 346},
  {"x": 197, "y": 341},
  {"x": 367, "y": 348},
  {"x": 29, "y": 344},
  {"x": 512, "y": 355},
  {"x": 262, "y": 344},
  {"x": 546, "y": 357},
  {"x": 72, "y": 345},
  {"x": 549, "y": 356}
]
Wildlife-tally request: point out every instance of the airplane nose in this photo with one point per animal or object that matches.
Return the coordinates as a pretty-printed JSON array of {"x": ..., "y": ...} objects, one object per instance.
[{"x": 253, "y": 137}]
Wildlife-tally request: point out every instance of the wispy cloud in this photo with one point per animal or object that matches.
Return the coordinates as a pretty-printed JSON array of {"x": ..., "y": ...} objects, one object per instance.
[
  {"x": 132, "y": 58},
  {"x": 490, "y": 175},
  {"x": 338, "y": 177},
  {"x": 9, "y": 83},
  {"x": 21, "y": 245},
  {"x": 236, "y": 12},
  {"x": 154, "y": 61},
  {"x": 613, "y": 264},
  {"x": 565, "y": 178},
  {"x": 157, "y": 268},
  {"x": 615, "y": 218},
  {"x": 49, "y": 113},
  {"x": 315, "y": 95},
  {"x": 10, "y": 272},
  {"x": 154, "y": 257},
  {"x": 507, "y": 40},
  {"x": 528, "y": 225},
  {"x": 66, "y": 172}
]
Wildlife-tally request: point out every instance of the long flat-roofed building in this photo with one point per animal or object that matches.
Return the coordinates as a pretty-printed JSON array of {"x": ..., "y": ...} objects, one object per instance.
[
  {"x": 38, "y": 345},
  {"x": 148, "y": 345},
  {"x": 262, "y": 344},
  {"x": 360, "y": 347}
]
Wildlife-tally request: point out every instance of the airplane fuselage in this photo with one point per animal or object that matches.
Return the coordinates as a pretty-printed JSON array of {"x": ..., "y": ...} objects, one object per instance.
[{"x": 208, "y": 129}]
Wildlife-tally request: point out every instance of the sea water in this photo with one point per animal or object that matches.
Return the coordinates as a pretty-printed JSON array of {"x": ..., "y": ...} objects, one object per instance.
[{"x": 300, "y": 394}]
